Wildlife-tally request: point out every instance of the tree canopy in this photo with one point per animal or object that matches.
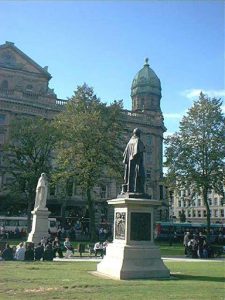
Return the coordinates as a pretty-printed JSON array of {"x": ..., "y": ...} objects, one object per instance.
[
  {"x": 90, "y": 141},
  {"x": 195, "y": 154},
  {"x": 31, "y": 141}
]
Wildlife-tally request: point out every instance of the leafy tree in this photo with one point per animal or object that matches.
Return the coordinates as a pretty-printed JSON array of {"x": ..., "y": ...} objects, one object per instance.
[
  {"x": 90, "y": 142},
  {"x": 31, "y": 141},
  {"x": 195, "y": 154}
]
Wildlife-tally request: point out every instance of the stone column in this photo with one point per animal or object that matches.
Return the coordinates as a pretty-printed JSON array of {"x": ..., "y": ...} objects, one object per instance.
[
  {"x": 133, "y": 254},
  {"x": 39, "y": 225}
]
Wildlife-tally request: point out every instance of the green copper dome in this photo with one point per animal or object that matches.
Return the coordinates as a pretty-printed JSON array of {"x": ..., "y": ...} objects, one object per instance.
[{"x": 146, "y": 82}]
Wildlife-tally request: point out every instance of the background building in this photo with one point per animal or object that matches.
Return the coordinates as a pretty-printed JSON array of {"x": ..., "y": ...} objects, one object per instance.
[
  {"x": 194, "y": 208},
  {"x": 24, "y": 90}
]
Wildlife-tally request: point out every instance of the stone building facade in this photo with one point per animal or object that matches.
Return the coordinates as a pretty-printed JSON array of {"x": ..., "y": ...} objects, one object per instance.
[
  {"x": 24, "y": 90},
  {"x": 194, "y": 208}
]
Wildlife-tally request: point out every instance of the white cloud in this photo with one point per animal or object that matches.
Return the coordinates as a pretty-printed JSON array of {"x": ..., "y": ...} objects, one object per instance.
[{"x": 194, "y": 93}]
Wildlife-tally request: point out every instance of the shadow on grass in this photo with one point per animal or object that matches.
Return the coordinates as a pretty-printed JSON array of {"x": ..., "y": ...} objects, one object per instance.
[{"x": 198, "y": 278}]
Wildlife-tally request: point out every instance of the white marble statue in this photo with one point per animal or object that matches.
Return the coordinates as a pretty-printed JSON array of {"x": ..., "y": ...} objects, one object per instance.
[{"x": 41, "y": 192}]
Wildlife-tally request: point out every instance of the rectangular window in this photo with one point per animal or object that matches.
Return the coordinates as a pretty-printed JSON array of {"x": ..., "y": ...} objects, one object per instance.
[
  {"x": 199, "y": 214},
  {"x": 194, "y": 214},
  {"x": 1, "y": 181},
  {"x": 204, "y": 213},
  {"x": 2, "y": 119},
  {"x": 161, "y": 192},
  {"x": 179, "y": 203},
  {"x": 1, "y": 158},
  {"x": 148, "y": 156},
  {"x": 103, "y": 191},
  {"x": 69, "y": 188},
  {"x": 215, "y": 201},
  {"x": 148, "y": 174},
  {"x": 222, "y": 213},
  {"x": 148, "y": 139},
  {"x": 216, "y": 213},
  {"x": 2, "y": 138},
  {"x": 210, "y": 201}
]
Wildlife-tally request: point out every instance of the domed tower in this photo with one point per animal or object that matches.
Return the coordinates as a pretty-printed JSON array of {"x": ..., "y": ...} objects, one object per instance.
[
  {"x": 147, "y": 116},
  {"x": 146, "y": 90}
]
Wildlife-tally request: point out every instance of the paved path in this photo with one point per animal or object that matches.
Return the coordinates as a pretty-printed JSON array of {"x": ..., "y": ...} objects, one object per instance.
[{"x": 98, "y": 259}]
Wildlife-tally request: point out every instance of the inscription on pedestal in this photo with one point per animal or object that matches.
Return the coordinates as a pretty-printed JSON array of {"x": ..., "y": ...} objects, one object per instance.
[
  {"x": 120, "y": 224},
  {"x": 140, "y": 229}
]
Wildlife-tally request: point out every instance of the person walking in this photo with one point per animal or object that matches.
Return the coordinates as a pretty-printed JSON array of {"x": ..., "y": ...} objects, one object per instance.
[{"x": 185, "y": 243}]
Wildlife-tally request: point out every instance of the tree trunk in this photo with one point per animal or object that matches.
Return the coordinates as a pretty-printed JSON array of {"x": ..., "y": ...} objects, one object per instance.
[
  {"x": 91, "y": 210},
  {"x": 29, "y": 223},
  {"x": 205, "y": 199},
  {"x": 63, "y": 217}
]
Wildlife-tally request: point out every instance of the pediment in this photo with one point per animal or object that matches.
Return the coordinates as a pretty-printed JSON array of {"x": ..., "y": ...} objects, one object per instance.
[{"x": 13, "y": 58}]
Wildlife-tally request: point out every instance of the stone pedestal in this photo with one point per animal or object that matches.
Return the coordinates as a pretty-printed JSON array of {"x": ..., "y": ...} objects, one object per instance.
[
  {"x": 39, "y": 225},
  {"x": 133, "y": 254}
]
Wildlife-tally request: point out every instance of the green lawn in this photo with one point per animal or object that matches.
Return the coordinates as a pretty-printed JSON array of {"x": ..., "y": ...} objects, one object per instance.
[
  {"x": 174, "y": 250},
  {"x": 72, "y": 280}
]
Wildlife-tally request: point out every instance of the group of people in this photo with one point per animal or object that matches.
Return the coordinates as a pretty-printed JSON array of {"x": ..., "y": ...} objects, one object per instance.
[
  {"x": 45, "y": 250},
  {"x": 100, "y": 248},
  {"x": 16, "y": 233},
  {"x": 196, "y": 246}
]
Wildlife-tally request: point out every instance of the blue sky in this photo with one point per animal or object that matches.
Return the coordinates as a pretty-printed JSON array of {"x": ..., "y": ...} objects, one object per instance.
[{"x": 104, "y": 43}]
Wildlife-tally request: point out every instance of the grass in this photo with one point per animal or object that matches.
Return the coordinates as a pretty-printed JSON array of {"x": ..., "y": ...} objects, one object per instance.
[
  {"x": 174, "y": 250},
  {"x": 72, "y": 280}
]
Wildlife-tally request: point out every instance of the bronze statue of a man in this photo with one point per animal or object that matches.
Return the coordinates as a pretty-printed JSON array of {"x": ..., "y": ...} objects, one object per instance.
[{"x": 134, "y": 176}]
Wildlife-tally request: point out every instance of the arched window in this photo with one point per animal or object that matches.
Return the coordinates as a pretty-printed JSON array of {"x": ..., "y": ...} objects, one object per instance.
[
  {"x": 4, "y": 85},
  {"x": 103, "y": 191}
]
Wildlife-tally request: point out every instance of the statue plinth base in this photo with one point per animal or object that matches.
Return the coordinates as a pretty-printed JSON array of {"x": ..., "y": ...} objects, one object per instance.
[
  {"x": 39, "y": 225},
  {"x": 133, "y": 254},
  {"x": 134, "y": 195}
]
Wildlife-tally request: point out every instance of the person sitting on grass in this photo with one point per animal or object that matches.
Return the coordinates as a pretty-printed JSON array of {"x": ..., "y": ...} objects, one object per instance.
[
  {"x": 39, "y": 251},
  {"x": 20, "y": 252},
  {"x": 56, "y": 246},
  {"x": 7, "y": 253},
  {"x": 98, "y": 249},
  {"x": 29, "y": 253},
  {"x": 48, "y": 253}
]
